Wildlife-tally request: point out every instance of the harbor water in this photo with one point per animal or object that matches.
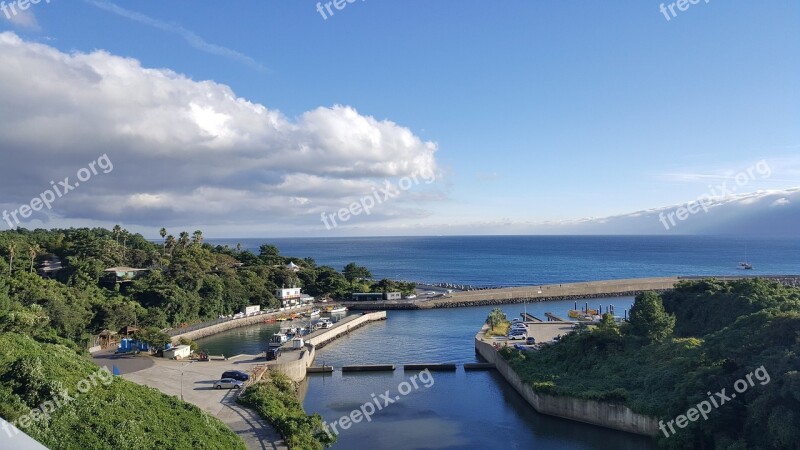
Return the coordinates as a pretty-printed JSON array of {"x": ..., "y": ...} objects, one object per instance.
[{"x": 447, "y": 410}]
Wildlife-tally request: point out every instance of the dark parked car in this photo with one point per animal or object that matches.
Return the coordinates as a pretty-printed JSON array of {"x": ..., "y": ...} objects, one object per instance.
[
  {"x": 273, "y": 354},
  {"x": 530, "y": 341},
  {"x": 236, "y": 375}
]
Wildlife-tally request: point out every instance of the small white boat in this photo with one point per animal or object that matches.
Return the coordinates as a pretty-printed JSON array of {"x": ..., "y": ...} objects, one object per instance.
[
  {"x": 278, "y": 339},
  {"x": 314, "y": 312},
  {"x": 338, "y": 309}
]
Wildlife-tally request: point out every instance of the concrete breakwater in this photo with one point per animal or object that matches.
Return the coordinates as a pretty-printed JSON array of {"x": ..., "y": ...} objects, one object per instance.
[
  {"x": 552, "y": 292},
  {"x": 604, "y": 414},
  {"x": 295, "y": 364},
  {"x": 508, "y": 301}
]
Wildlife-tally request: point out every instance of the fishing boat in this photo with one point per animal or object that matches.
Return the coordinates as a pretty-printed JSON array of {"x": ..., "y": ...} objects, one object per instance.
[
  {"x": 338, "y": 309},
  {"x": 278, "y": 339},
  {"x": 313, "y": 312}
]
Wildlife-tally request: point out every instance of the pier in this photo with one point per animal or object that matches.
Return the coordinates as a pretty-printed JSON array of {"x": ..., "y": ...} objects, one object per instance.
[
  {"x": 553, "y": 318},
  {"x": 432, "y": 367},
  {"x": 295, "y": 363},
  {"x": 550, "y": 292}
]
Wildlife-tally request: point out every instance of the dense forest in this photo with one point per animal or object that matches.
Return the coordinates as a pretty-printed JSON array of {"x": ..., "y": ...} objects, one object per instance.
[
  {"x": 187, "y": 281},
  {"x": 679, "y": 349}
]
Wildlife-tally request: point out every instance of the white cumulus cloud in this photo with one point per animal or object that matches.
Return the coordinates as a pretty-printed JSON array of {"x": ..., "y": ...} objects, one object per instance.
[{"x": 184, "y": 151}]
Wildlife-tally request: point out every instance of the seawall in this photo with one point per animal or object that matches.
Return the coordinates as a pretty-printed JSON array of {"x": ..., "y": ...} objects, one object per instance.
[
  {"x": 294, "y": 364},
  {"x": 609, "y": 415},
  {"x": 567, "y": 291}
]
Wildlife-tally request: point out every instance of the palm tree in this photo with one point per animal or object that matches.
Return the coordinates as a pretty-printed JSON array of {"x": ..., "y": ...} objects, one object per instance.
[
  {"x": 117, "y": 231},
  {"x": 163, "y": 234},
  {"x": 170, "y": 243},
  {"x": 12, "y": 252},
  {"x": 184, "y": 239},
  {"x": 125, "y": 235},
  {"x": 496, "y": 317},
  {"x": 33, "y": 251},
  {"x": 197, "y": 237}
]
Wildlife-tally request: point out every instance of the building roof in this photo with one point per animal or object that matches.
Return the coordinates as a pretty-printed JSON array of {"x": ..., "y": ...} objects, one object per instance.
[{"x": 124, "y": 269}]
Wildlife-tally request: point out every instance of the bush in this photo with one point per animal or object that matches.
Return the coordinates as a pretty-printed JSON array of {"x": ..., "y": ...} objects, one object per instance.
[
  {"x": 117, "y": 414},
  {"x": 276, "y": 401}
]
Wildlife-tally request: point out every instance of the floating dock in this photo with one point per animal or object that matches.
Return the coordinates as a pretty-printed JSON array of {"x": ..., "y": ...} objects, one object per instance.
[
  {"x": 432, "y": 367},
  {"x": 369, "y": 368},
  {"x": 479, "y": 366}
]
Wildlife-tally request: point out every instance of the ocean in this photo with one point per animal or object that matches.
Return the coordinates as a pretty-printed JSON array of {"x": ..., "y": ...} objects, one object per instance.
[{"x": 492, "y": 261}]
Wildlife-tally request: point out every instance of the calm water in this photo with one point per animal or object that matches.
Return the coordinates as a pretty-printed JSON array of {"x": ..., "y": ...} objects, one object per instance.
[
  {"x": 532, "y": 260},
  {"x": 476, "y": 410},
  {"x": 479, "y": 410}
]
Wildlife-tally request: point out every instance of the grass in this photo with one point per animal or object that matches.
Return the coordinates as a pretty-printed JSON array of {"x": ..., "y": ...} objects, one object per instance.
[
  {"x": 275, "y": 400},
  {"x": 499, "y": 330},
  {"x": 119, "y": 414}
]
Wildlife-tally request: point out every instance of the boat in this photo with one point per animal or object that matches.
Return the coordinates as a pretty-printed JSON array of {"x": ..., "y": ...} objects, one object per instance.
[
  {"x": 313, "y": 312},
  {"x": 745, "y": 265},
  {"x": 338, "y": 309},
  {"x": 278, "y": 339}
]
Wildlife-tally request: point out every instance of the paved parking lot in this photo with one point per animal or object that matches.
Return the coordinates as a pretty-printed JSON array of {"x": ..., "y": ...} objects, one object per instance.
[{"x": 193, "y": 381}]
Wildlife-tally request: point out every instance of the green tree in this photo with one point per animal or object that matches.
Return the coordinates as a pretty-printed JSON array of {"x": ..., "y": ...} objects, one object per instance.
[
  {"x": 154, "y": 337},
  {"x": 649, "y": 320},
  {"x": 496, "y": 317},
  {"x": 12, "y": 252},
  {"x": 353, "y": 272}
]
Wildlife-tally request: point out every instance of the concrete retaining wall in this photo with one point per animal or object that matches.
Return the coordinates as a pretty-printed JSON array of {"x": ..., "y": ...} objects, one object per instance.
[
  {"x": 609, "y": 415},
  {"x": 296, "y": 368}
]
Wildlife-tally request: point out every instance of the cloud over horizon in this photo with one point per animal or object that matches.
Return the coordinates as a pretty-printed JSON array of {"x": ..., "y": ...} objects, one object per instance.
[{"x": 184, "y": 151}]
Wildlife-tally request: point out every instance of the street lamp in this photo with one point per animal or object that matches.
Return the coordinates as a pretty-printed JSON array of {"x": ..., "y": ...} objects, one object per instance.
[{"x": 182, "y": 367}]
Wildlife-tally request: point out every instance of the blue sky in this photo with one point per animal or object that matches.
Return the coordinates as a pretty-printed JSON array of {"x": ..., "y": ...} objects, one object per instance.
[{"x": 538, "y": 111}]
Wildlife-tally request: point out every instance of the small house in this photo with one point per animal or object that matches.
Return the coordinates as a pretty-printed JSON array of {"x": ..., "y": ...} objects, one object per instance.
[{"x": 178, "y": 352}]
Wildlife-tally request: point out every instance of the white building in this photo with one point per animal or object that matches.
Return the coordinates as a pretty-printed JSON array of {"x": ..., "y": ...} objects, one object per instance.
[
  {"x": 289, "y": 296},
  {"x": 178, "y": 352},
  {"x": 250, "y": 310}
]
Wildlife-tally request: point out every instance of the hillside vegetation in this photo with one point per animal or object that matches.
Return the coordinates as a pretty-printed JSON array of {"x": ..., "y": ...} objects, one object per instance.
[
  {"x": 48, "y": 322},
  {"x": 95, "y": 412},
  {"x": 700, "y": 338}
]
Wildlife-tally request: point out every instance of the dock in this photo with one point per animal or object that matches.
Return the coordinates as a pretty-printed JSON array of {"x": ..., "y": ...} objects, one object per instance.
[
  {"x": 553, "y": 318},
  {"x": 369, "y": 368},
  {"x": 529, "y": 317},
  {"x": 296, "y": 363},
  {"x": 479, "y": 366},
  {"x": 431, "y": 367}
]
